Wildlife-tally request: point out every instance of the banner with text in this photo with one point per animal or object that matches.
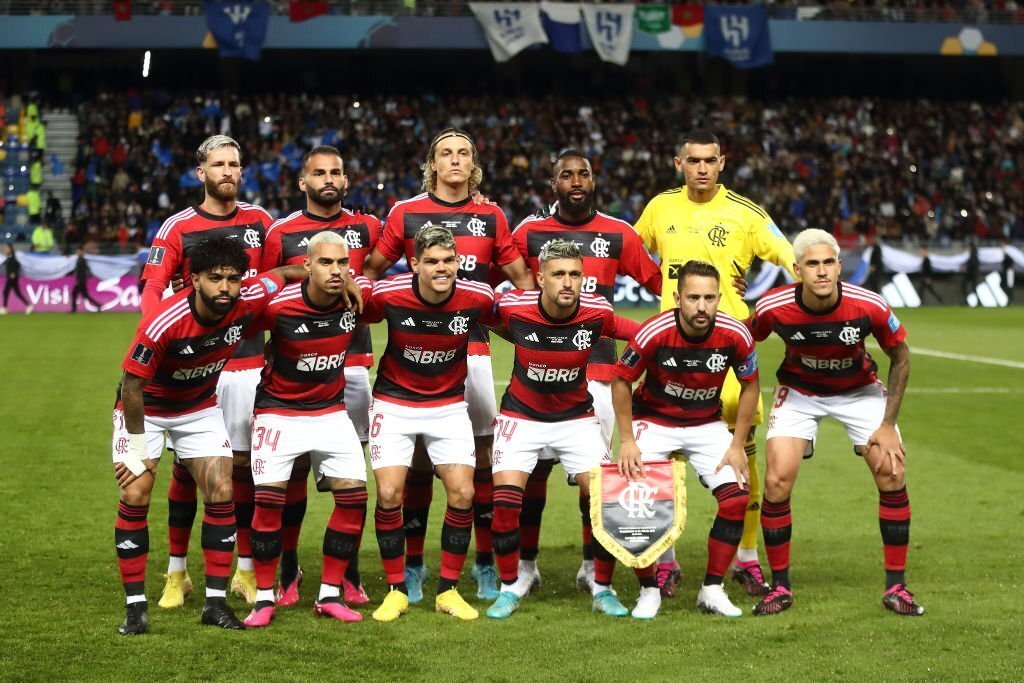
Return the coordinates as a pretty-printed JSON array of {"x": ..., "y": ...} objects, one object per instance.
[
  {"x": 611, "y": 30},
  {"x": 739, "y": 34},
  {"x": 54, "y": 296},
  {"x": 510, "y": 27}
]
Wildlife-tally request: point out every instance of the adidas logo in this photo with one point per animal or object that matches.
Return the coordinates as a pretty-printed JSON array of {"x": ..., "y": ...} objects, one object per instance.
[
  {"x": 301, "y": 329},
  {"x": 670, "y": 363},
  {"x": 533, "y": 337},
  {"x": 187, "y": 351},
  {"x": 409, "y": 322},
  {"x": 304, "y": 242},
  {"x": 671, "y": 230},
  {"x": 127, "y": 544},
  {"x": 797, "y": 337},
  {"x": 229, "y": 539}
]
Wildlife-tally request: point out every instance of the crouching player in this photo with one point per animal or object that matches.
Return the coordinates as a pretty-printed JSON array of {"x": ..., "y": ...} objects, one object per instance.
[
  {"x": 169, "y": 388},
  {"x": 300, "y": 408},
  {"x": 827, "y": 372},
  {"x": 687, "y": 352},
  {"x": 420, "y": 392},
  {"x": 547, "y": 406}
]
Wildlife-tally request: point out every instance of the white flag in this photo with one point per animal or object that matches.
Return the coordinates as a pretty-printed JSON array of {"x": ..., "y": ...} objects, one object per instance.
[
  {"x": 611, "y": 30},
  {"x": 510, "y": 27}
]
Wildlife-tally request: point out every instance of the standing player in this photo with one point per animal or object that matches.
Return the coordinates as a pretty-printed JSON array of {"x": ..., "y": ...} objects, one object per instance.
[
  {"x": 170, "y": 377},
  {"x": 420, "y": 392},
  {"x": 324, "y": 183},
  {"x": 547, "y": 406},
  {"x": 609, "y": 247},
  {"x": 826, "y": 372},
  {"x": 451, "y": 173},
  {"x": 301, "y": 411},
  {"x": 219, "y": 215},
  {"x": 686, "y": 352},
  {"x": 704, "y": 220}
]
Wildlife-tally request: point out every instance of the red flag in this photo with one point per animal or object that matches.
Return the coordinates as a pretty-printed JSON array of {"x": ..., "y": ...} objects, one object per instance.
[
  {"x": 123, "y": 10},
  {"x": 688, "y": 15},
  {"x": 301, "y": 10}
]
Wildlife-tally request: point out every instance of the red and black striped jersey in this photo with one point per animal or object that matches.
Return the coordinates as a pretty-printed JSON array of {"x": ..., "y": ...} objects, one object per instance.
[
  {"x": 288, "y": 238},
  {"x": 610, "y": 247},
  {"x": 825, "y": 352},
  {"x": 481, "y": 233},
  {"x": 181, "y": 357},
  {"x": 548, "y": 382},
  {"x": 424, "y": 363},
  {"x": 684, "y": 378},
  {"x": 169, "y": 255},
  {"x": 305, "y": 375}
]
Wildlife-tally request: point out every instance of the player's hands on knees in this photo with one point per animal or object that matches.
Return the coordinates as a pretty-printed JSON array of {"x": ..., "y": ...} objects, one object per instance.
[
  {"x": 124, "y": 476},
  {"x": 736, "y": 458},
  {"x": 631, "y": 464},
  {"x": 890, "y": 450}
]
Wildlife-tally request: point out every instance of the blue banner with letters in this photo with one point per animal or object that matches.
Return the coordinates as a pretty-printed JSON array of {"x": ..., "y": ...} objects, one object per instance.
[
  {"x": 240, "y": 28},
  {"x": 739, "y": 34}
]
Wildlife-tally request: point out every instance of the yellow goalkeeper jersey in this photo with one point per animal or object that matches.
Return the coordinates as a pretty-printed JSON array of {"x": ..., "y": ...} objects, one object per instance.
[{"x": 728, "y": 232}]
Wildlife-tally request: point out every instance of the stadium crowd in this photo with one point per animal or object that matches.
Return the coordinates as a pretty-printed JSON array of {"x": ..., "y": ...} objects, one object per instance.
[{"x": 915, "y": 170}]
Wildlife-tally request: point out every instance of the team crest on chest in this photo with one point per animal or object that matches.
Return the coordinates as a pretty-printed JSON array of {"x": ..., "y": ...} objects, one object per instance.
[
  {"x": 476, "y": 227},
  {"x": 716, "y": 362},
  {"x": 582, "y": 339},
  {"x": 233, "y": 334},
  {"x": 251, "y": 238},
  {"x": 353, "y": 239},
  {"x": 459, "y": 325},
  {"x": 347, "y": 322},
  {"x": 849, "y": 335},
  {"x": 599, "y": 247},
  {"x": 717, "y": 235}
]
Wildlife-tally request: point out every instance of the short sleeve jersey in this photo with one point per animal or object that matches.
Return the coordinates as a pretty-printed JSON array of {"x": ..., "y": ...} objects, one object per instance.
[
  {"x": 424, "y": 363},
  {"x": 181, "y": 357},
  {"x": 610, "y": 247},
  {"x": 481, "y": 233},
  {"x": 288, "y": 238},
  {"x": 684, "y": 378},
  {"x": 825, "y": 352},
  {"x": 169, "y": 255},
  {"x": 548, "y": 382},
  {"x": 305, "y": 375},
  {"x": 728, "y": 232}
]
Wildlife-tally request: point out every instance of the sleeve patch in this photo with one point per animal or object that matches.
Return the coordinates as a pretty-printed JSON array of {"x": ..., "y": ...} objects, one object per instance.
[
  {"x": 774, "y": 229},
  {"x": 748, "y": 366},
  {"x": 269, "y": 284},
  {"x": 630, "y": 357},
  {"x": 156, "y": 256},
  {"x": 894, "y": 323},
  {"x": 142, "y": 354}
]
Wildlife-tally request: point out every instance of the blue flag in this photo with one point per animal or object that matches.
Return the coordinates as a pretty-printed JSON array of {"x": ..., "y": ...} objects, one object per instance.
[
  {"x": 739, "y": 34},
  {"x": 561, "y": 21},
  {"x": 238, "y": 27}
]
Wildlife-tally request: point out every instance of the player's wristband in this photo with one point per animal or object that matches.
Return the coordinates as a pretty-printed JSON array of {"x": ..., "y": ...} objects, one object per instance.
[{"x": 133, "y": 459}]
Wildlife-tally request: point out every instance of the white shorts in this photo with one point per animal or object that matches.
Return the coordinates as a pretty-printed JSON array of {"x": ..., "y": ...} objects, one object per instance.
[
  {"x": 797, "y": 415},
  {"x": 703, "y": 445},
  {"x": 602, "y": 395},
  {"x": 331, "y": 441},
  {"x": 357, "y": 400},
  {"x": 446, "y": 430},
  {"x": 236, "y": 396},
  {"x": 578, "y": 444},
  {"x": 480, "y": 394},
  {"x": 196, "y": 435}
]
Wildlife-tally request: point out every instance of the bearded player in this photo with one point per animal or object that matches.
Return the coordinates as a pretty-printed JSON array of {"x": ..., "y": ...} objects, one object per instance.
[
  {"x": 324, "y": 183},
  {"x": 686, "y": 353},
  {"x": 451, "y": 175},
  {"x": 609, "y": 247},
  {"x": 826, "y": 372},
  {"x": 706, "y": 221},
  {"x": 219, "y": 215}
]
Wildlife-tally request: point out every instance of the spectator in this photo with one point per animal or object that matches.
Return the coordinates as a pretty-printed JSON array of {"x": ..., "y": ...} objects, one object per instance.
[{"x": 42, "y": 239}]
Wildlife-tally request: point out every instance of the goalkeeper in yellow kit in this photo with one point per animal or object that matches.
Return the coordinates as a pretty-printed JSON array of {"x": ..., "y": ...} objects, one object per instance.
[{"x": 704, "y": 220}]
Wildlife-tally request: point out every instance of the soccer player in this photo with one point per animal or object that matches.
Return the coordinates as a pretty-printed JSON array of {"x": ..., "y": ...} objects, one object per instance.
[
  {"x": 686, "y": 352},
  {"x": 219, "y": 215},
  {"x": 547, "y": 406},
  {"x": 609, "y": 247},
  {"x": 451, "y": 174},
  {"x": 827, "y": 372},
  {"x": 300, "y": 410},
  {"x": 324, "y": 183},
  {"x": 705, "y": 220},
  {"x": 168, "y": 388},
  {"x": 420, "y": 392}
]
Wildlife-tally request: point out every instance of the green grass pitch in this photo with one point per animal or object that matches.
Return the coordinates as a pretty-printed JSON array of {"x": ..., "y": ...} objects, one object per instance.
[{"x": 62, "y": 602}]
